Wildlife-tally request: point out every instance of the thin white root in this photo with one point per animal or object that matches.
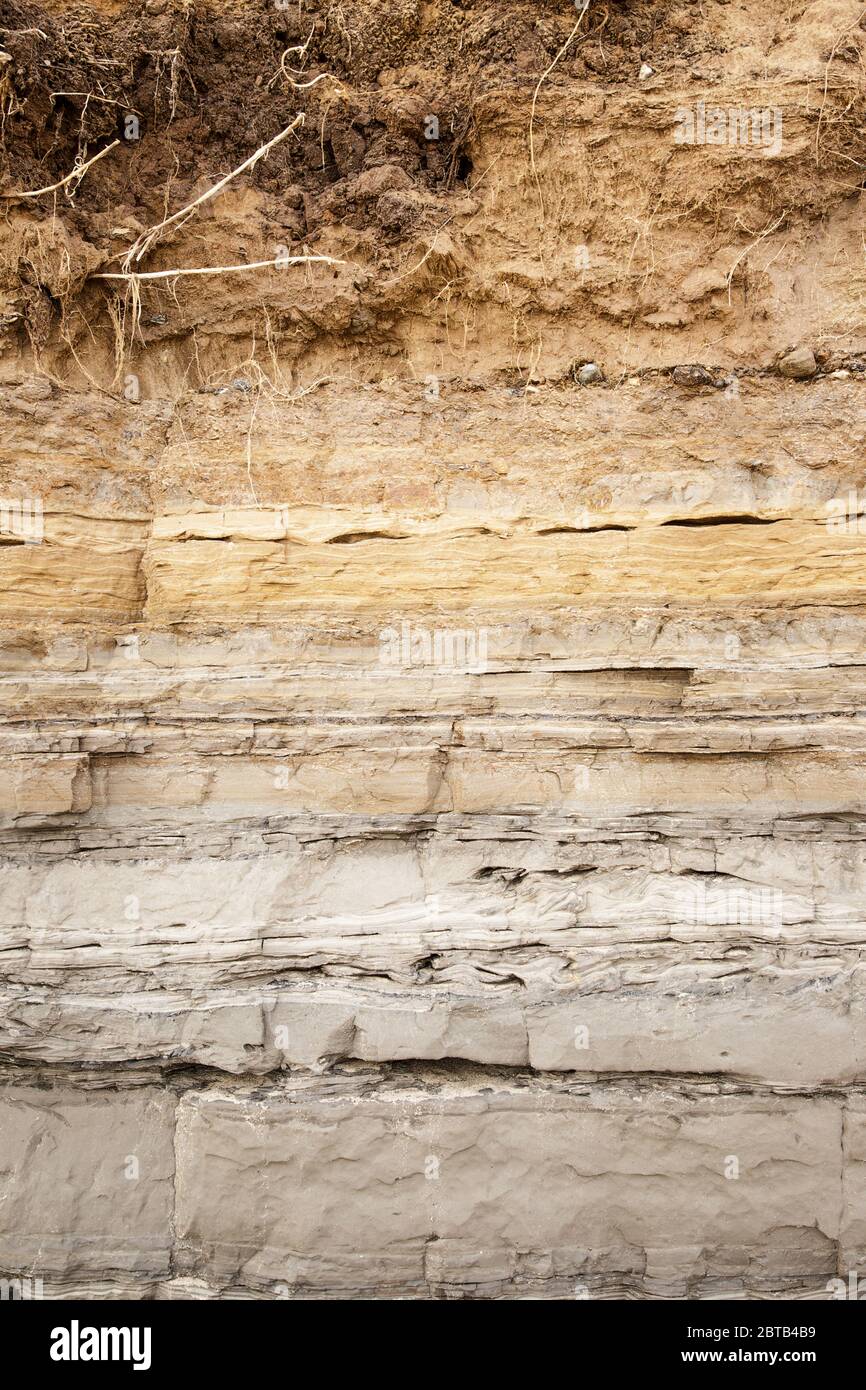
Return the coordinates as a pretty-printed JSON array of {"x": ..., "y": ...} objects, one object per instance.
[
  {"x": 386, "y": 284},
  {"x": 541, "y": 80},
  {"x": 282, "y": 70},
  {"x": 93, "y": 96},
  {"x": 147, "y": 239},
  {"x": 768, "y": 231},
  {"x": 427, "y": 254},
  {"x": 322, "y": 77},
  {"x": 300, "y": 48},
  {"x": 837, "y": 45},
  {"x": 18, "y": 32},
  {"x": 135, "y": 276},
  {"x": 253, "y": 414},
  {"x": 77, "y": 174}
]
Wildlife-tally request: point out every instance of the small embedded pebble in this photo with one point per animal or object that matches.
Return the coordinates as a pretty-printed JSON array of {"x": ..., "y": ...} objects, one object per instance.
[
  {"x": 692, "y": 374},
  {"x": 798, "y": 364},
  {"x": 589, "y": 373}
]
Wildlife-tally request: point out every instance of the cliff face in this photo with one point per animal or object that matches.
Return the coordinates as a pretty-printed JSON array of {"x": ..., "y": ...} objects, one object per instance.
[{"x": 433, "y": 820}]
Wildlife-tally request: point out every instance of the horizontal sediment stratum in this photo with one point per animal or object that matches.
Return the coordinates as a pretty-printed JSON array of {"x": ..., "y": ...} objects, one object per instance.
[
  {"x": 468, "y": 1182},
  {"x": 433, "y": 679},
  {"x": 544, "y": 920}
]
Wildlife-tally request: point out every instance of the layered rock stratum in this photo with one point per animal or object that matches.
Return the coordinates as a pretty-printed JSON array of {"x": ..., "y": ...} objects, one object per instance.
[{"x": 433, "y": 821}]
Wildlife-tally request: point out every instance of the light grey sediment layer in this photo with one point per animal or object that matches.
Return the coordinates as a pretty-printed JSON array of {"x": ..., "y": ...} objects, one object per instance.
[
  {"x": 667, "y": 945},
  {"x": 736, "y": 1013},
  {"x": 87, "y": 1181},
  {"x": 428, "y": 1183}
]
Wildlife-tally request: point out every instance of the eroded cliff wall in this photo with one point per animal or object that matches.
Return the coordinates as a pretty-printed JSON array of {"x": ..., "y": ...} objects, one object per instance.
[{"x": 433, "y": 815}]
